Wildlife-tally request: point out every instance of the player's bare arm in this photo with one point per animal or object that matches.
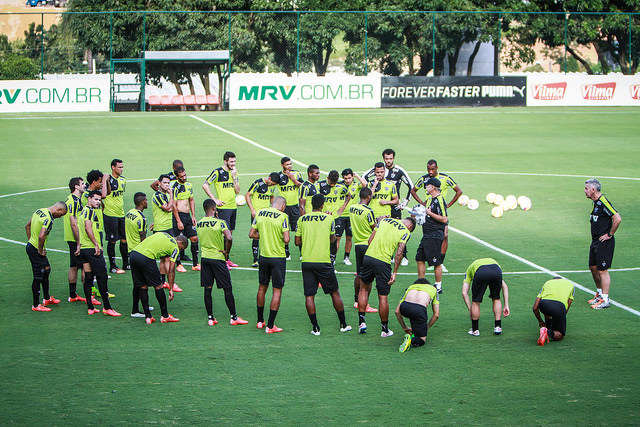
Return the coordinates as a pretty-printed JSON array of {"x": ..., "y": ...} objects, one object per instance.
[
  {"x": 400, "y": 318},
  {"x": 615, "y": 222},
  {"x": 414, "y": 194},
  {"x": 440, "y": 218},
  {"x": 435, "y": 308},
  {"x": 505, "y": 293},
  {"x": 456, "y": 196}
]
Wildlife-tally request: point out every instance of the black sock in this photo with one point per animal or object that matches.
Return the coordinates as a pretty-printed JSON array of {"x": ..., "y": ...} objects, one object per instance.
[
  {"x": 124, "y": 252},
  {"x": 231, "y": 302},
  {"x": 286, "y": 251},
  {"x": 341, "y": 318},
  {"x": 361, "y": 317},
  {"x": 208, "y": 302},
  {"x": 333, "y": 252},
  {"x": 550, "y": 333},
  {"x": 101, "y": 278},
  {"x": 385, "y": 326},
  {"x": 162, "y": 300},
  {"x": 442, "y": 257},
  {"x": 72, "y": 290},
  {"x": 45, "y": 284},
  {"x": 194, "y": 252},
  {"x": 111, "y": 252},
  {"x": 272, "y": 318},
  {"x": 474, "y": 324},
  {"x": 498, "y": 323},
  {"x": 260, "y": 313},
  {"x": 144, "y": 299},
  {"x": 163, "y": 278},
  {"x": 417, "y": 342},
  {"x": 135, "y": 308},
  {"x": 87, "y": 285},
  {"x": 256, "y": 250},
  {"x": 35, "y": 290},
  {"x": 346, "y": 254},
  {"x": 314, "y": 321}
]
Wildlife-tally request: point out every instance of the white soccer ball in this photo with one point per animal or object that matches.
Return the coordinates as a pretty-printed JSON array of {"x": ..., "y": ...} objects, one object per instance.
[
  {"x": 491, "y": 197},
  {"x": 524, "y": 202},
  {"x": 498, "y": 199},
  {"x": 463, "y": 200},
  {"x": 473, "y": 204},
  {"x": 497, "y": 212},
  {"x": 526, "y": 206},
  {"x": 504, "y": 206},
  {"x": 511, "y": 198},
  {"x": 240, "y": 200}
]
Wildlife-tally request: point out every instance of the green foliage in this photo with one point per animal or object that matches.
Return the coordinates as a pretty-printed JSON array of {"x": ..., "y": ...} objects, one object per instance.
[{"x": 17, "y": 67}]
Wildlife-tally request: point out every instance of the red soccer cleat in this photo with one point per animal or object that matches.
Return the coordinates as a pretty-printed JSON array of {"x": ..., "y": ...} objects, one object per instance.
[
  {"x": 40, "y": 307},
  {"x": 196, "y": 268},
  {"x": 231, "y": 263},
  {"x": 238, "y": 321},
  {"x": 50, "y": 301},
  {"x": 95, "y": 301},
  {"x": 181, "y": 269},
  {"x": 149, "y": 320},
  {"x": 371, "y": 309},
  {"x": 212, "y": 322},
  {"x": 168, "y": 319},
  {"x": 176, "y": 288},
  {"x": 111, "y": 312},
  {"x": 77, "y": 298},
  {"x": 272, "y": 330},
  {"x": 544, "y": 336},
  {"x": 165, "y": 285},
  {"x": 260, "y": 325},
  {"x": 93, "y": 311}
]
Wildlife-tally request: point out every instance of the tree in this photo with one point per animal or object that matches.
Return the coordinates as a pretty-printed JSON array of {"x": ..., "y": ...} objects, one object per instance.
[{"x": 17, "y": 67}]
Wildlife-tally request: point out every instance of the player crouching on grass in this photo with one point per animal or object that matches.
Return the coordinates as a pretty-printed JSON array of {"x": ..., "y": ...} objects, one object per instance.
[
  {"x": 215, "y": 240},
  {"x": 553, "y": 301},
  {"x": 483, "y": 273},
  {"x": 145, "y": 272},
  {"x": 413, "y": 306}
]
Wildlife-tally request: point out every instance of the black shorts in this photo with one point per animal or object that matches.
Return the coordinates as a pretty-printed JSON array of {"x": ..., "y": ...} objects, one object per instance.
[
  {"x": 271, "y": 270},
  {"x": 228, "y": 216},
  {"x": 430, "y": 250},
  {"x": 144, "y": 271},
  {"x": 74, "y": 261},
  {"x": 417, "y": 315},
  {"x": 555, "y": 315},
  {"x": 169, "y": 231},
  {"x": 360, "y": 251},
  {"x": 343, "y": 225},
  {"x": 293, "y": 212},
  {"x": 189, "y": 229},
  {"x": 601, "y": 253},
  {"x": 114, "y": 228},
  {"x": 396, "y": 213},
  {"x": 39, "y": 263},
  {"x": 214, "y": 269},
  {"x": 96, "y": 262},
  {"x": 374, "y": 268},
  {"x": 486, "y": 275},
  {"x": 318, "y": 272}
]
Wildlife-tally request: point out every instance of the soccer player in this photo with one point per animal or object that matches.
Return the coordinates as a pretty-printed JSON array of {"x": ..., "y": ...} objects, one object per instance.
[
  {"x": 136, "y": 231},
  {"x": 290, "y": 182},
  {"x": 315, "y": 235},
  {"x": 38, "y": 229},
  {"x": 91, "y": 254},
  {"x": 446, "y": 183},
  {"x": 343, "y": 223},
  {"x": 225, "y": 181},
  {"x": 605, "y": 220},
  {"x": 429, "y": 250},
  {"x": 93, "y": 183},
  {"x": 113, "y": 187},
  {"x": 397, "y": 175},
  {"x": 336, "y": 198},
  {"x": 309, "y": 188},
  {"x": 390, "y": 237},
  {"x": 155, "y": 185},
  {"x": 215, "y": 239},
  {"x": 72, "y": 234},
  {"x": 363, "y": 223},
  {"x": 145, "y": 272},
  {"x": 271, "y": 226},
  {"x": 553, "y": 300},
  {"x": 483, "y": 273},
  {"x": 260, "y": 196},
  {"x": 385, "y": 194},
  {"x": 184, "y": 216},
  {"x": 413, "y": 306},
  {"x": 162, "y": 208}
]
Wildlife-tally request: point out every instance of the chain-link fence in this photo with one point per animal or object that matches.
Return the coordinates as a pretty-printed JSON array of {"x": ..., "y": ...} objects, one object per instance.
[{"x": 358, "y": 43}]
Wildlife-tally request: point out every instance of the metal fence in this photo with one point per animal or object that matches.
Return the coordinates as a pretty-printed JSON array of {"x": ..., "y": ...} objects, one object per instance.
[{"x": 358, "y": 43}]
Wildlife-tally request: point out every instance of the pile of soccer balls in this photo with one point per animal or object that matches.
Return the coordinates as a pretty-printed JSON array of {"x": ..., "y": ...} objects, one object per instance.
[{"x": 502, "y": 204}]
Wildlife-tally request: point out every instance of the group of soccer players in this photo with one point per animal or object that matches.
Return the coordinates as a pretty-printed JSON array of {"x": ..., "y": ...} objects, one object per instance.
[{"x": 317, "y": 213}]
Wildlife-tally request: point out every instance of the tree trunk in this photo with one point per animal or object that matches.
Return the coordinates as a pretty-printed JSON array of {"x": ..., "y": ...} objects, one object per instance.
[
  {"x": 425, "y": 65},
  {"x": 453, "y": 62},
  {"x": 601, "y": 57},
  {"x": 472, "y": 58},
  {"x": 439, "y": 65},
  {"x": 584, "y": 63}
]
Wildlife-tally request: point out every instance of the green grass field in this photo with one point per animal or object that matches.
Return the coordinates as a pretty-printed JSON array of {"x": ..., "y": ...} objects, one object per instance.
[{"x": 66, "y": 368}]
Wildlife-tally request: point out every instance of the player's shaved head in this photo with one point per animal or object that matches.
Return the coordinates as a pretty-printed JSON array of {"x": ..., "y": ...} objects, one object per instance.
[
  {"x": 333, "y": 176},
  {"x": 432, "y": 162},
  {"x": 365, "y": 192},
  {"x": 209, "y": 206},
  {"x": 410, "y": 223},
  {"x": 182, "y": 241},
  {"x": 58, "y": 209},
  {"x": 177, "y": 163},
  {"x": 312, "y": 168},
  {"x": 139, "y": 198},
  {"x": 422, "y": 281},
  {"x": 279, "y": 203},
  {"x": 317, "y": 201},
  {"x": 179, "y": 169}
]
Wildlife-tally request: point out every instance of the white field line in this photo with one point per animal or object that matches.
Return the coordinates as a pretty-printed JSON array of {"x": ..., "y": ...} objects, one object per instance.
[
  {"x": 532, "y": 174},
  {"x": 537, "y": 267}
]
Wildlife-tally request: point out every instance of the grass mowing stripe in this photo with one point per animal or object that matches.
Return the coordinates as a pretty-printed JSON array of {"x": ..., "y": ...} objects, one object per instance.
[{"x": 536, "y": 266}]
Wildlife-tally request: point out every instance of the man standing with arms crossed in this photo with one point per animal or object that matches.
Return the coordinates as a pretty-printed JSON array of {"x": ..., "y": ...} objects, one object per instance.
[
  {"x": 290, "y": 182},
  {"x": 184, "y": 216},
  {"x": 271, "y": 226},
  {"x": 389, "y": 238},
  {"x": 38, "y": 229},
  {"x": 605, "y": 221},
  {"x": 308, "y": 189},
  {"x": 260, "y": 196},
  {"x": 72, "y": 234},
  {"x": 225, "y": 181},
  {"x": 113, "y": 187},
  {"x": 397, "y": 175},
  {"x": 316, "y": 233}
]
